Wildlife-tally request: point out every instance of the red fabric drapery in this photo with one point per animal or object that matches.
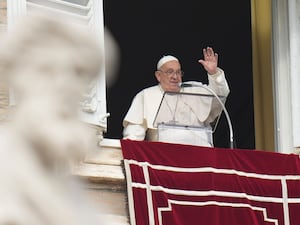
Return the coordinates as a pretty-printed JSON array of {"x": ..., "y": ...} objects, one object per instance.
[{"x": 173, "y": 184}]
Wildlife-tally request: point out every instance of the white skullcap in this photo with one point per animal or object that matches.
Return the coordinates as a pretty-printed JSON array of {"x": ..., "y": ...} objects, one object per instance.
[{"x": 166, "y": 59}]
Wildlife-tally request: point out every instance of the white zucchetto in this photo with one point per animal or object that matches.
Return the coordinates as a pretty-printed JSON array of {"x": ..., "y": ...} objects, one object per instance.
[{"x": 166, "y": 59}]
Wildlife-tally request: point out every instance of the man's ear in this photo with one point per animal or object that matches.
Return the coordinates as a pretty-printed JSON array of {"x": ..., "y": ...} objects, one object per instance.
[{"x": 157, "y": 75}]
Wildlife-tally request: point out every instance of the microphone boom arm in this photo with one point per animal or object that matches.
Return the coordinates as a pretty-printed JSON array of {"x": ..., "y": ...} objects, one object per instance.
[{"x": 199, "y": 84}]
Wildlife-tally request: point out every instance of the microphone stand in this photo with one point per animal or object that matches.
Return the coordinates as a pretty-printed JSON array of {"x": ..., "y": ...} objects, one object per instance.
[{"x": 199, "y": 84}]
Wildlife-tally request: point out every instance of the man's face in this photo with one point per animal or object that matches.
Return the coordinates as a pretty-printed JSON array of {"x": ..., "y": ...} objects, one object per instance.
[{"x": 170, "y": 76}]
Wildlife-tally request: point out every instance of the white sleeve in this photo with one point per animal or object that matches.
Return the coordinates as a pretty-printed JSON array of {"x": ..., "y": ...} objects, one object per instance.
[
  {"x": 134, "y": 132},
  {"x": 218, "y": 83}
]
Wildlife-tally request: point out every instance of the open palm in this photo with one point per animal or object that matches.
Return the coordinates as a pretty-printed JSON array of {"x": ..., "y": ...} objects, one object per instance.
[{"x": 210, "y": 61}]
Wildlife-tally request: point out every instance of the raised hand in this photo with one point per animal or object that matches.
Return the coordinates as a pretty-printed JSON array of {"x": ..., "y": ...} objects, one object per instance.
[{"x": 210, "y": 61}]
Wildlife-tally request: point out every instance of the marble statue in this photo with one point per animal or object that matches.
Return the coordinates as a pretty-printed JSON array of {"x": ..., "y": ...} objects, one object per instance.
[{"x": 49, "y": 62}]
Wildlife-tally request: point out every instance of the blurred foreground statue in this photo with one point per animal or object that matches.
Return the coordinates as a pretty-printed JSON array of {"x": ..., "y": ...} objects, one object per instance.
[{"x": 48, "y": 64}]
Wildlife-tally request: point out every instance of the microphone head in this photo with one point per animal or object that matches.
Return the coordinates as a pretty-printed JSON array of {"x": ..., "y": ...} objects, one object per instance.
[{"x": 182, "y": 84}]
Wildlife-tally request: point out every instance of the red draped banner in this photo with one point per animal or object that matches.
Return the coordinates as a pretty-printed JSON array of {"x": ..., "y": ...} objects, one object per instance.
[{"x": 172, "y": 184}]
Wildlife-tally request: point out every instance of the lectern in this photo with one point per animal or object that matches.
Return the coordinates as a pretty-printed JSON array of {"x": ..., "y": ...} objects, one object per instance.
[{"x": 188, "y": 118}]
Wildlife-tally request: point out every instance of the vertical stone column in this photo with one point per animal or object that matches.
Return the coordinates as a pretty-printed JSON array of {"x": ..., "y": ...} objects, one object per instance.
[
  {"x": 4, "y": 101},
  {"x": 3, "y": 15}
]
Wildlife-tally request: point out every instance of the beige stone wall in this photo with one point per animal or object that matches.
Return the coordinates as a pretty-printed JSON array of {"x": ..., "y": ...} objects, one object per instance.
[
  {"x": 4, "y": 108},
  {"x": 3, "y": 88},
  {"x": 3, "y": 17}
]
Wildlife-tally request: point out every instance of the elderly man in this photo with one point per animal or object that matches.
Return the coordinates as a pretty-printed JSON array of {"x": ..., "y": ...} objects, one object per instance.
[{"x": 139, "y": 121}]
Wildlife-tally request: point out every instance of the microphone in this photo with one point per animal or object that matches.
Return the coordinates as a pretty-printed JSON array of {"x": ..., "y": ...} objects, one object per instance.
[
  {"x": 190, "y": 84},
  {"x": 184, "y": 85},
  {"x": 199, "y": 84}
]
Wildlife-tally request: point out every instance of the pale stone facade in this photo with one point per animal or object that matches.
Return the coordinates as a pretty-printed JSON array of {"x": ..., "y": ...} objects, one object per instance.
[
  {"x": 3, "y": 88},
  {"x": 102, "y": 167},
  {"x": 3, "y": 19}
]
